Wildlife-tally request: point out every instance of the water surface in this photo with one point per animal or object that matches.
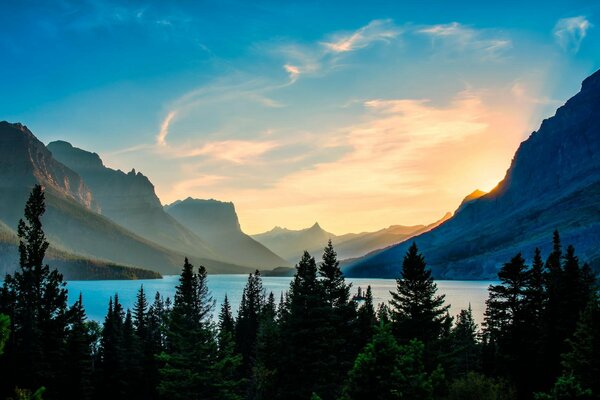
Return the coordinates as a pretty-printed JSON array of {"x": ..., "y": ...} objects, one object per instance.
[{"x": 459, "y": 294}]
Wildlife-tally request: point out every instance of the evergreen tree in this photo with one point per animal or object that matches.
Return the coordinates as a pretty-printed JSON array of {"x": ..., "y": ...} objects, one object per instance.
[
  {"x": 4, "y": 331},
  {"x": 192, "y": 368},
  {"x": 157, "y": 322},
  {"x": 366, "y": 320},
  {"x": 78, "y": 357},
  {"x": 112, "y": 371},
  {"x": 226, "y": 324},
  {"x": 305, "y": 350},
  {"x": 336, "y": 291},
  {"x": 582, "y": 361},
  {"x": 133, "y": 359},
  {"x": 416, "y": 309},
  {"x": 246, "y": 327},
  {"x": 385, "y": 370},
  {"x": 35, "y": 299},
  {"x": 268, "y": 347},
  {"x": 464, "y": 347},
  {"x": 505, "y": 321}
]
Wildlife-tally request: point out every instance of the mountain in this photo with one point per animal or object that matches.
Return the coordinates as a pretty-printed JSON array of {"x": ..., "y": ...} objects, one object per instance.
[
  {"x": 129, "y": 200},
  {"x": 553, "y": 183},
  {"x": 216, "y": 223},
  {"x": 72, "y": 266},
  {"x": 290, "y": 244},
  {"x": 356, "y": 245},
  {"x": 72, "y": 221}
]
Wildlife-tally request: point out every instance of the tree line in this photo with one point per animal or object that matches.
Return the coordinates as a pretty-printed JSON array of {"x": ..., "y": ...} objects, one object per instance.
[{"x": 539, "y": 338}]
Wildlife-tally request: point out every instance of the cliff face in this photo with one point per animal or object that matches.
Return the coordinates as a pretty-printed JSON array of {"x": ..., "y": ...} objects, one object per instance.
[
  {"x": 553, "y": 183},
  {"x": 25, "y": 161},
  {"x": 217, "y": 224},
  {"x": 130, "y": 201}
]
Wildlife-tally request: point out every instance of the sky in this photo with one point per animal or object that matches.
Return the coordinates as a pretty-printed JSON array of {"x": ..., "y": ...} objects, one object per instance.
[{"x": 358, "y": 115}]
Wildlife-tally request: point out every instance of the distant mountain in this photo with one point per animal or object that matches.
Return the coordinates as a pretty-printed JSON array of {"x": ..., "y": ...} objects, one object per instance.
[
  {"x": 216, "y": 223},
  {"x": 357, "y": 245},
  {"x": 129, "y": 200},
  {"x": 552, "y": 183},
  {"x": 290, "y": 244},
  {"x": 72, "y": 221}
]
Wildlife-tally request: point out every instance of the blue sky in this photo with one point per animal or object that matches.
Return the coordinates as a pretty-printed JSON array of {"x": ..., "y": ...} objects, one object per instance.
[{"x": 356, "y": 114}]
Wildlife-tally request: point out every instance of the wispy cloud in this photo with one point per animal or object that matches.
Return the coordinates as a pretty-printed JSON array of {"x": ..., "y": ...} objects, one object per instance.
[
  {"x": 457, "y": 38},
  {"x": 570, "y": 32},
  {"x": 377, "y": 30},
  {"x": 161, "y": 138},
  {"x": 234, "y": 151}
]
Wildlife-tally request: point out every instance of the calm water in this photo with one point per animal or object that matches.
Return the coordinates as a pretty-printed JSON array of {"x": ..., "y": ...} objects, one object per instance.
[{"x": 459, "y": 294}]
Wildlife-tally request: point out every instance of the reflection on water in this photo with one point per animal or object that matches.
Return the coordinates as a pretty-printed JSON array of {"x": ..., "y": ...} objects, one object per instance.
[{"x": 459, "y": 294}]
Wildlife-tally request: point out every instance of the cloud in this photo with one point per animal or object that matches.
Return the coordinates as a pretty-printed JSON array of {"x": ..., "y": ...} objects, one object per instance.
[
  {"x": 456, "y": 38},
  {"x": 570, "y": 32},
  {"x": 234, "y": 151},
  {"x": 376, "y": 30},
  {"x": 161, "y": 138},
  {"x": 293, "y": 71}
]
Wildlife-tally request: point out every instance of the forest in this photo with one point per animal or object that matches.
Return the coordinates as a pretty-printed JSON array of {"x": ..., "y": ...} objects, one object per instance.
[{"x": 539, "y": 339}]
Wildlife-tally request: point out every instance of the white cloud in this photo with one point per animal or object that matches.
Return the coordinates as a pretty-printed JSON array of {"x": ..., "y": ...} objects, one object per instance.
[
  {"x": 377, "y": 30},
  {"x": 234, "y": 151},
  {"x": 456, "y": 37},
  {"x": 570, "y": 32},
  {"x": 161, "y": 138}
]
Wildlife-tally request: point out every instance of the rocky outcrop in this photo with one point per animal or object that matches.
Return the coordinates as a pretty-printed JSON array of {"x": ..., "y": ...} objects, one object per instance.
[
  {"x": 553, "y": 183},
  {"x": 25, "y": 161},
  {"x": 217, "y": 224},
  {"x": 129, "y": 200}
]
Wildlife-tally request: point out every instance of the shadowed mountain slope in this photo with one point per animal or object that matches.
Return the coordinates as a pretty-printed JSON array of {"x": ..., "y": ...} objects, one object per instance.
[
  {"x": 216, "y": 223},
  {"x": 552, "y": 183}
]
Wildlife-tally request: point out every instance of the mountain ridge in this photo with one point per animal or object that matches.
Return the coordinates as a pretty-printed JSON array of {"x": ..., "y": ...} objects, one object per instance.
[{"x": 553, "y": 182}]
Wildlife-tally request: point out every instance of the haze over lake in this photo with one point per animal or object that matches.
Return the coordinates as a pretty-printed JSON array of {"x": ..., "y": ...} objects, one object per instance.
[{"x": 459, "y": 294}]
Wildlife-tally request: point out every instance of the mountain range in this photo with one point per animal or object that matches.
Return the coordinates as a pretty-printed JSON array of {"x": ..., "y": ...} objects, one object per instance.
[
  {"x": 553, "y": 183},
  {"x": 290, "y": 244}
]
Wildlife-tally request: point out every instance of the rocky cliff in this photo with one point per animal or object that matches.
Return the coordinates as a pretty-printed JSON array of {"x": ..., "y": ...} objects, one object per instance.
[{"x": 217, "y": 223}]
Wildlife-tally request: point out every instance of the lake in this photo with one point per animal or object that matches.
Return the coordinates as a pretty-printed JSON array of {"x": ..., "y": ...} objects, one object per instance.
[{"x": 459, "y": 294}]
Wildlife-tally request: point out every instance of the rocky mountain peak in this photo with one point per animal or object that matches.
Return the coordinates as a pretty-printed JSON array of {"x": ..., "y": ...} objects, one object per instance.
[{"x": 25, "y": 161}]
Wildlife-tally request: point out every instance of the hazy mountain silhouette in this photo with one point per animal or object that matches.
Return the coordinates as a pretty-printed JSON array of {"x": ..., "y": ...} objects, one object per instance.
[
  {"x": 291, "y": 243},
  {"x": 552, "y": 183},
  {"x": 130, "y": 201},
  {"x": 72, "y": 221},
  {"x": 216, "y": 223}
]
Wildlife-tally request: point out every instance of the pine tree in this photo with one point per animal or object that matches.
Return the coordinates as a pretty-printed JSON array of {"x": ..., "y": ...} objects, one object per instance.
[
  {"x": 35, "y": 299},
  {"x": 464, "y": 343},
  {"x": 366, "y": 320},
  {"x": 268, "y": 345},
  {"x": 336, "y": 291},
  {"x": 133, "y": 358},
  {"x": 226, "y": 324},
  {"x": 583, "y": 358},
  {"x": 304, "y": 326},
  {"x": 157, "y": 321},
  {"x": 246, "y": 326},
  {"x": 417, "y": 311},
  {"x": 192, "y": 368},
  {"x": 4, "y": 331},
  {"x": 112, "y": 371},
  {"x": 78, "y": 357},
  {"x": 386, "y": 370}
]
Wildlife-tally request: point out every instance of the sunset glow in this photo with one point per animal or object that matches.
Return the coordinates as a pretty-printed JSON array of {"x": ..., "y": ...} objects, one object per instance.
[{"x": 387, "y": 117}]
